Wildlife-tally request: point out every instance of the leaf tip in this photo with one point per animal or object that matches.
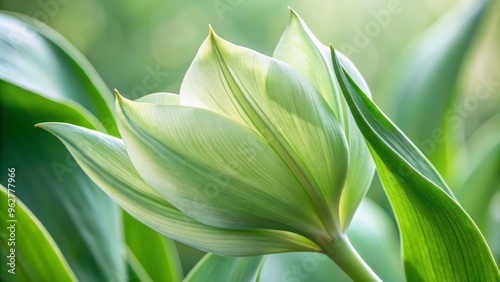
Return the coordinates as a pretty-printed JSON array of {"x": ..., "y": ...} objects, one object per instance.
[
  {"x": 120, "y": 100},
  {"x": 213, "y": 39},
  {"x": 294, "y": 16},
  {"x": 51, "y": 127},
  {"x": 211, "y": 33},
  {"x": 44, "y": 125},
  {"x": 332, "y": 49}
]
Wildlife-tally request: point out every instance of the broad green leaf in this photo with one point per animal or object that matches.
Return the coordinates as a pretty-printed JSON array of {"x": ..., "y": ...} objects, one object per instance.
[
  {"x": 303, "y": 51},
  {"x": 283, "y": 107},
  {"x": 372, "y": 233},
  {"x": 214, "y": 169},
  {"x": 225, "y": 269},
  {"x": 476, "y": 170},
  {"x": 43, "y": 78},
  {"x": 32, "y": 244},
  {"x": 440, "y": 241},
  {"x": 82, "y": 220},
  {"x": 427, "y": 73},
  {"x": 36, "y": 58},
  {"x": 106, "y": 162},
  {"x": 156, "y": 254}
]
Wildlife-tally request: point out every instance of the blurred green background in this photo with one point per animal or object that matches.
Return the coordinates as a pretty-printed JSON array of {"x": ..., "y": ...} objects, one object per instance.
[
  {"x": 142, "y": 47},
  {"x": 126, "y": 40}
]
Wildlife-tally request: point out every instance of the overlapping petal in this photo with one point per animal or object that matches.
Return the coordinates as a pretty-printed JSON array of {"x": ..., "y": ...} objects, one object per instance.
[
  {"x": 214, "y": 169},
  {"x": 302, "y": 50},
  {"x": 277, "y": 102},
  {"x": 106, "y": 162}
]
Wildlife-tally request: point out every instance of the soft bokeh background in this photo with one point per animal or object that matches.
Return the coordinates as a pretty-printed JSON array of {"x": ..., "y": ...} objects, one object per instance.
[
  {"x": 125, "y": 40},
  {"x": 141, "y": 47}
]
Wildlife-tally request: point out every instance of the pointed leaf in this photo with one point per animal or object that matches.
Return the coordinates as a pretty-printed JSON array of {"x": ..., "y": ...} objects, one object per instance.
[
  {"x": 217, "y": 268},
  {"x": 428, "y": 71},
  {"x": 440, "y": 241},
  {"x": 83, "y": 221},
  {"x": 31, "y": 253},
  {"x": 282, "y": 106},
  {"x": 303, "y": 51},
  {"x": 106, "y": 162}
]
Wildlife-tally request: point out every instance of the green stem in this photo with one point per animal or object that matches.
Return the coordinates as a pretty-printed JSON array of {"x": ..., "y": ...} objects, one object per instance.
[{"x": 345, "y": 256}]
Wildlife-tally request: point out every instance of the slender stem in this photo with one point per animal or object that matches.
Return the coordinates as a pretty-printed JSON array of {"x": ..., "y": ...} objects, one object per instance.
[{"x": 345, "y": 256}]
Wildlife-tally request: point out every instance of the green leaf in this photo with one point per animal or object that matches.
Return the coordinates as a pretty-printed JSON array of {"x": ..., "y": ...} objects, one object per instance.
[
  {"x": 214, "y": 169},
  {"x": 225, "y": 269},
  {"x": 136, "y": 271},
  {"x": 440, "y": 241},
  {"x": 303, "y": 51},
  {"x": 43, "y": 78},
  {"x": 83, "y": 221},
  {"x": 36, "y": 58},
  {"x": 156, "y": 254},
  {"x": 31, "y": 253},
  {"x": 278, "y": 103},
  {"x": 372, "y": 233},
  {"x": 106, "y": 162},
  {"x": 427, "y": 73}
]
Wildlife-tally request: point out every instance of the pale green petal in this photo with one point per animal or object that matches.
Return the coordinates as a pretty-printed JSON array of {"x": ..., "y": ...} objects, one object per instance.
[
  {"x": 151, "y": 253},
  {"x": 276, "y": 101},
  {"x": 303, "y": 51},
  {"x": 440, "y": 241},
  {"x": 373, "y": 233},
  {"x": 106, "y": 162},
  {"x": 217, "y": 171},
  {"x": 160, "y": 98}
]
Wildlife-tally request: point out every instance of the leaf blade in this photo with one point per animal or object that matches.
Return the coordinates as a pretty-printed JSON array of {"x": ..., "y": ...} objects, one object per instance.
[
  {"x": 31, "y": 252},
  {"x": 440, "y": 241},
  {"x": 156, "y": 253},
  {"x": 81, "y": 236},
  {"x": 36, "y": 58}
]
